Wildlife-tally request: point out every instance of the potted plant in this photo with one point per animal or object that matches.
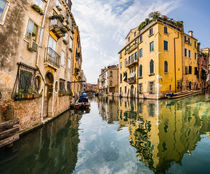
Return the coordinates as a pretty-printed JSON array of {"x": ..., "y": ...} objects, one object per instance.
[
  {"x": 63, "y": 29},
  {"x": 59, "y": 17},
  {"x": 19, "y": 95},
  {"x": 36, "y": 95},
  {"x": 59, "y": 8},
  {"x": 37, "y": 9}
]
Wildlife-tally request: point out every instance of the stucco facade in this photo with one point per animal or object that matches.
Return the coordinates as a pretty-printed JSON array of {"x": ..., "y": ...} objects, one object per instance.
[
  {"x": 154, "y": 62},
  {"x": 36, "y": 59}
]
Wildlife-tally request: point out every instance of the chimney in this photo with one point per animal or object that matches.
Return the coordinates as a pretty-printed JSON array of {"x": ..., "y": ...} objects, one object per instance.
[
  {"x": 199, "y": 46},
  {"x": 190, "y": 33}
]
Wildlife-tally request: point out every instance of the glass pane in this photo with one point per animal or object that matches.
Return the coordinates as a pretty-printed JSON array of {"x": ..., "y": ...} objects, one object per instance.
[
  {"x": 30, "y": 26},
  {"x": 2, "y": 6}
]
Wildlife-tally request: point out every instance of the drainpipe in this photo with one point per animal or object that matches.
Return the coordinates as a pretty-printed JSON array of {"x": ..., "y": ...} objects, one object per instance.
[
  {"x": 37, "y": 58},
  {"x": 175, "y": 59}
]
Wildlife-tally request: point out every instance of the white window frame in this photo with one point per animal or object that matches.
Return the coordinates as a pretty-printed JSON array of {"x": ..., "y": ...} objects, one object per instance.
[{"x": 4, "y": 14}]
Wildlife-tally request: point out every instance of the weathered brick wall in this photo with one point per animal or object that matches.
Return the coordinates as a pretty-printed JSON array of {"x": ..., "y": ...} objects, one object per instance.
[{"x": 28, "y": 112}]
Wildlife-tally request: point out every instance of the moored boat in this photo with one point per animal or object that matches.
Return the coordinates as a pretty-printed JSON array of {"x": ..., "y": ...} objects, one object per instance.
[{"x": 82, "y": 102}]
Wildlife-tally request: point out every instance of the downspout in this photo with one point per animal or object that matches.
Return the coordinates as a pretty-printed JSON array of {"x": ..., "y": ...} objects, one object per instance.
[
  {"x": 175, "y": 59},
  {"x": 37, "y": 58}
]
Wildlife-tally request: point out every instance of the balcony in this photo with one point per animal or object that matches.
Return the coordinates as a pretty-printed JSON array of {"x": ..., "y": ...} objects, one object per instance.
[
  {"x": 52, "y": 58},
  {"x": 131, "y": 48},
  {"x": 56, "y": 27},
  {"x": 132, "y": 80},
  {"x": 132, "y": 63}
]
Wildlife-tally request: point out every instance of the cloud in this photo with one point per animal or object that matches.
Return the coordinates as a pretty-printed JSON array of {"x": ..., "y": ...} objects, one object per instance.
[{"x": 104, "y": 25}]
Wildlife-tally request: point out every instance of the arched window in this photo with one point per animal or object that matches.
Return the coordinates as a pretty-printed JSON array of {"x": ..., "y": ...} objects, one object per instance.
[
  {"x": 140, "y": 71},
  {"x": 3, "y": 10},
  {"x": 165, "y": 66},
  {"x": 151, "y": 65}
]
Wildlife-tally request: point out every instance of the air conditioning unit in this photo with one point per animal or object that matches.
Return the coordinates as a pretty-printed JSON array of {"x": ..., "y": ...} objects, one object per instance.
[{"x": 32, "y": 45}]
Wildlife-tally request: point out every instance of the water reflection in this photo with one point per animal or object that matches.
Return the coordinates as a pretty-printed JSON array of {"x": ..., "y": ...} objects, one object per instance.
[
  {"x": 51, "y": 149},
  {"x": 161, "y": 131}
]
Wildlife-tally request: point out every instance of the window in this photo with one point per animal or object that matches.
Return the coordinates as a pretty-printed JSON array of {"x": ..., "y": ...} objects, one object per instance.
[
  {"x": 120, "y": 78},
  {"x": 121, "y": 55},
  {"x": 32, "y": 30},
  {"x": 25, "y": 82},
  {"x": 110, "y": 73},
  {"x": 165, "y": 66},
  {"x": 189, "y": 54},
  {"x": 110, "y": 83},
  {"x": 186, "y": 70},
  {"x": 166, "y": 30},
  {"x": 3, "y": 10},
  {"x": 128, "y": 39},
  {"x": 151, "y": 46},
  {"x": 69, "y": 63},
  {"x": 69, "y": 87},
  {"x": 70, "y": 43},
  {"x": 141, "y": 52},
  {"x": 120, "y": 65},
  {"x": 150, "y": 31},
  {"x": 125, "y": 89},
  {"x": 185, "y": 38},
  {"x": 165, "y": 45},
  {"x": 185, "y": 52},
  {"x": 62, "y": 85},
  {"x": 125, "y": 62},
  {"x": 195, "y": 44},
  {"x": 140, "y": 71},
  {"x": 40, "y": 3},
  {"x": 140, "y": 88},
  {"x": 151, "y": 67},
  {"x": 56, "y": 86},
  {"x": 62, "y": 58},
  {"x": 134, "y": 34},
  {"x": 135, "y": 55},
  {"x": 195, "y": 55},
  {"x": 141, "y": 38},
  {"x": 189, "y": 41},
  {"x": 190, "y": 69},
  {"x": 196, "y": 71},
  {"x": 151, "y": 87}
]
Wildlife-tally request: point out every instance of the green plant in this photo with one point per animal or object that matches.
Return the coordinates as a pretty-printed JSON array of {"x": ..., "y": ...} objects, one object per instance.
[
  {"x": 59, "y": 8},
  {"x": 154, "y": 15},
  {"x": 67, "y": 27},
  {"x": 179, "y": 24},
  {"x": 141, "y": 26},
  {"x": 59, "y": 17},
  {"x": 37, "y": 9},
  {"x": 63, "y": 29},
  {"x": 30, "y": 91}
]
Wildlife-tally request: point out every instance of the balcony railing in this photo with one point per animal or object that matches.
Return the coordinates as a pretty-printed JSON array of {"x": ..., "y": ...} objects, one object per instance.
[
  {"x": 131, "y": 48},
  {"x": 55, "y": 27},
  {"x": 132, "y": 62},
  {"x": 52, "y": 58},
  {"x": 132, "y": 80}
]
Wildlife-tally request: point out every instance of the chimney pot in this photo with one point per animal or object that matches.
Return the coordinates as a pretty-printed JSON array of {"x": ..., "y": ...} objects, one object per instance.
[{"x": 191, "y": 33}]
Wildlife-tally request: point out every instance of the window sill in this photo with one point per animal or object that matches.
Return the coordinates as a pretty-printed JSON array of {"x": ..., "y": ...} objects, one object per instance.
[
  {"x": 150, "y": 35},
  {"x": 140, "y": 77},
  {"x": 152, "y": 74},
  {"x": 165, "y": 73}
]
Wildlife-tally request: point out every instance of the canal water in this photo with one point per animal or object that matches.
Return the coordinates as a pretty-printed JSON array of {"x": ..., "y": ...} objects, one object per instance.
[{"x": 118, "y": 136}]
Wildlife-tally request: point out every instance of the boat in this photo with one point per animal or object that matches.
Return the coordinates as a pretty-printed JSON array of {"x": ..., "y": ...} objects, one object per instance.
[{"x": 82, "y": 102}]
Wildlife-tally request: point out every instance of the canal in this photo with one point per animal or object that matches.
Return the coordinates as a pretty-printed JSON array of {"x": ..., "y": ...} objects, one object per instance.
[{"x": 118, "y": 136}]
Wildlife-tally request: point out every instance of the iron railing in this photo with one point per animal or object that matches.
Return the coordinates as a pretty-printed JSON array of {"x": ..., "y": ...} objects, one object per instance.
[{"x": 52, "y": 57}]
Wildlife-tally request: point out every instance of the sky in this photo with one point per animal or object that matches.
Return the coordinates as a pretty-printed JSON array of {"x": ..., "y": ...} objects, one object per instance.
[{"x": 104, "y": 24}]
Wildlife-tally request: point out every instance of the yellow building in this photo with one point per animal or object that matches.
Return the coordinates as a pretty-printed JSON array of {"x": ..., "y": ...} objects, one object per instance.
[
  {"x": 158, "y": 139},
  {"x": 158, "y": 58},
  {"x": 77, "y": 64}
]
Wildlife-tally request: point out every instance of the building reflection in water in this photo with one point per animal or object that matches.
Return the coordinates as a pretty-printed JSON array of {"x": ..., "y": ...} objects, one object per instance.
[
  {"x": 51, "y": 149},
  {"x": 161, "y": 131}
]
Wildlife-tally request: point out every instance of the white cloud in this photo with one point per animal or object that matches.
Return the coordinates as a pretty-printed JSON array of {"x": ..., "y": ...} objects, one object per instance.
[{"x": 104, "y": 24}]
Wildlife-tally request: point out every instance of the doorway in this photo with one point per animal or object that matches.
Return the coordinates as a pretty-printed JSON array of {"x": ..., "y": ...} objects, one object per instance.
[{"x": 48, "y": 95}]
